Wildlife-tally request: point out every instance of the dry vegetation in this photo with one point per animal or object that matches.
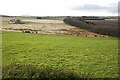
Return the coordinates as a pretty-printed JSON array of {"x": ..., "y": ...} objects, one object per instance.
[{"x": 44, "y": 26}]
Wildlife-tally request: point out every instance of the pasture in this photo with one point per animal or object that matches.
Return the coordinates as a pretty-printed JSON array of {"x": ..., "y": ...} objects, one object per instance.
[
  {"x": 95, "y": 56},
  {"x": 44, "y": 26}
]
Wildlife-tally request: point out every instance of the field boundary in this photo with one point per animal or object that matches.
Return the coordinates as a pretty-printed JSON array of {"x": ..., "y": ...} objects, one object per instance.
[{"x": 0, "y": 47}]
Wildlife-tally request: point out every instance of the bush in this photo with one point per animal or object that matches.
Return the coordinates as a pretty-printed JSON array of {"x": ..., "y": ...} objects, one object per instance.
[
  {"x": 102, "y": 28},
  {"x": 77, "y": 23},
  {"x": 30, "y": 71}
]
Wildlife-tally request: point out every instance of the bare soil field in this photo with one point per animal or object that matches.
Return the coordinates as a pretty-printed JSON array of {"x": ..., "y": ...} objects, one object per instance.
[{"x": 43, "y": 26}]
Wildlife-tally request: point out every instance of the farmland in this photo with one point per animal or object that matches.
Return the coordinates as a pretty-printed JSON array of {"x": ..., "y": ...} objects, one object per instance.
[
  {"x": 56, "y": 51},
  {"x": 45, "y": 26},
  {"x": 96, "y": 56}
]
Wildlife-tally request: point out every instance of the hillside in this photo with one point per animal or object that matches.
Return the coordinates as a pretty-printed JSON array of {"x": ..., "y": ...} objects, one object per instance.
[
  {"x": 95, "y": 57},
  {"x": 45, "y": 26}
]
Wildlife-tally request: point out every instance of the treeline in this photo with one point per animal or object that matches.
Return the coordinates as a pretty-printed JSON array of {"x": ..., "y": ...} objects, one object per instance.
[
  {"x": 50, "y": 17},
  {"x": 97, "y": 27}
]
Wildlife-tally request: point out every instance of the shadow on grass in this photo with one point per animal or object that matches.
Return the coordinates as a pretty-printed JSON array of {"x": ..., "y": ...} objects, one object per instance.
[{"x": 32, "y": 72}]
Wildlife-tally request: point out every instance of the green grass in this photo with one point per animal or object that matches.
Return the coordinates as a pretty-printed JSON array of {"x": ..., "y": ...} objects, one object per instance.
[{"x": 96, "y": 56}]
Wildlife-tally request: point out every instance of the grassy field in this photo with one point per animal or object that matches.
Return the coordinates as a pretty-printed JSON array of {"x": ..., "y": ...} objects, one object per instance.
[{"x": 90, "y": 55}]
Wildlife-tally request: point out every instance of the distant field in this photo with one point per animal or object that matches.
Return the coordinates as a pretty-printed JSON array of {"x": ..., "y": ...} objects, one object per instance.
[
  {"x": 97, "y": 56},
  {"x": 44, "y": 26}
]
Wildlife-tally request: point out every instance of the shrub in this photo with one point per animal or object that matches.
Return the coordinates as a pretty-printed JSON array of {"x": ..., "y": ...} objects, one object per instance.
[
  {"x": 101, "y": 28},
  {"x": 30, "y": 71},
  {"x": 77, "y": 23}
]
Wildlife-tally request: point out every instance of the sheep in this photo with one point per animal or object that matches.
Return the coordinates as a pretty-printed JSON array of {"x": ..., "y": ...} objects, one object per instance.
[
  {"x": 29, "y": 31},
  {"x": 95, "y": 35}
]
